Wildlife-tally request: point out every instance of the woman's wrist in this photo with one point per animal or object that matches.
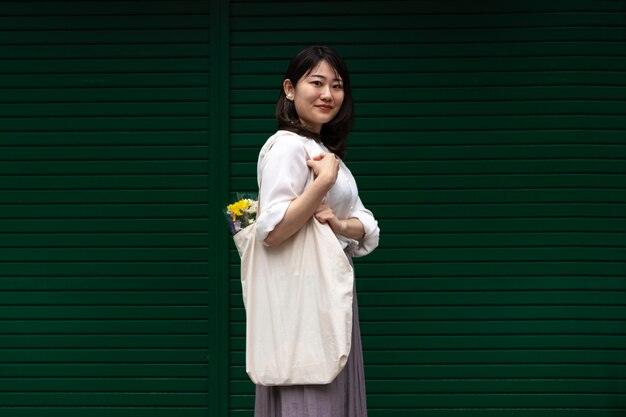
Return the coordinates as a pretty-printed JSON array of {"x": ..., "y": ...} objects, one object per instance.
[
  {"x": 339, "y": 227},
  {"x": 327, "y": 181},
  {"x": 352, "y": 228}
]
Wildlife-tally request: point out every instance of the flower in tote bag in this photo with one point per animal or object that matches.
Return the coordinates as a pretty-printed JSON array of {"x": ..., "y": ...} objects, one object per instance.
[{"x": 242, "y": 213}]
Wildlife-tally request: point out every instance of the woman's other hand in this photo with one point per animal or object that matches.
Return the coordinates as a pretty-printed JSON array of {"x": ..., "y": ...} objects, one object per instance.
[
  {"x": 351, "y": 228},
  {"x": 325, "y": 215},
  {"x": 325, "y": 166}
]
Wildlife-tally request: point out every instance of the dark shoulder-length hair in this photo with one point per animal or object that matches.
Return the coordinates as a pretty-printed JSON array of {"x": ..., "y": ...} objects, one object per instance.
[{"x": 333, "y": 134}]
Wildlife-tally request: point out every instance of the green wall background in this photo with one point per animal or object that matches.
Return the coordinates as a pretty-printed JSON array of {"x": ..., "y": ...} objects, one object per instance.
[{"x": 490, "y": 143}]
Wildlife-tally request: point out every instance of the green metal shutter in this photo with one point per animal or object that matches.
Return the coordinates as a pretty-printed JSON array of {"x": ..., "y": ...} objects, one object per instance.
[
  {"x": 104, "y": 218},
  {"x": 490, "y": 145}
]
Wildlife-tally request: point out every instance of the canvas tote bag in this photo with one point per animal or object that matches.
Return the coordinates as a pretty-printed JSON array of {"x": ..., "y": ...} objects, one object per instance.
[{"x": 298, "y": 301}]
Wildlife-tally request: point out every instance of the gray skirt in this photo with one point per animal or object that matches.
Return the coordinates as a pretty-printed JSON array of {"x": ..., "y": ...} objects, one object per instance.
[{"x": 344, "y": 397}]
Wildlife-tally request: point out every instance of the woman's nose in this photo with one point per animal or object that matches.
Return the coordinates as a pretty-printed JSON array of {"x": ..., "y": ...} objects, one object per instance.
[{"x": 325, "y": 94}]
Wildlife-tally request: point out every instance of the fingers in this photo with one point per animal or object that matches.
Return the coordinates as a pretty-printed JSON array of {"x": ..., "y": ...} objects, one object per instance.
[
  {"x": 325, "y": 215},
  {"x": 328, "y": 217},
  {"x": 322, "y": 155},
  {"x": 323, "y": 212},
  {"x": 325, "y": 165},
  {"x": 328, "y": 161},
  {"x": 322, "y": 207}
]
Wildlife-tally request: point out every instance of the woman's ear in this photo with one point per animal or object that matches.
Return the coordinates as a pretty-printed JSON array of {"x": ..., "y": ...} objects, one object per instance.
[{"x": 288, "y": 89}]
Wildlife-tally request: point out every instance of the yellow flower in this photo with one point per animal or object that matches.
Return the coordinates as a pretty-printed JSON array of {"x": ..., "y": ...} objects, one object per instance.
[{"x": 238, "y": 207}]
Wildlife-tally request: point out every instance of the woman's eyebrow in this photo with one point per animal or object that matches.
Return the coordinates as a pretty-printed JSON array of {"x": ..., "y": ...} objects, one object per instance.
[{"x": 324, "y": 77}]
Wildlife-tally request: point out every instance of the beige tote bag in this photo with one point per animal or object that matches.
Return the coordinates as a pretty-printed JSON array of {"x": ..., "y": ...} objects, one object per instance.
[{"x": 298, "y": 300}]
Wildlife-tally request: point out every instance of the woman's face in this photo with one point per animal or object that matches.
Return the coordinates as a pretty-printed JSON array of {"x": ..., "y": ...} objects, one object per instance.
[{"x": 317, "y": 96}]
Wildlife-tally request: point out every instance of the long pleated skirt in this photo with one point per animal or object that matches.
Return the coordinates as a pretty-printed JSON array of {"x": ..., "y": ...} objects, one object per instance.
[{"x": 344, "y": 397}]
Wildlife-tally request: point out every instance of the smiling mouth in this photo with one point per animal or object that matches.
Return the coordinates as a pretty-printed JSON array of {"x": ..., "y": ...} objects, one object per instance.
[{"x": 325, "y": 107}]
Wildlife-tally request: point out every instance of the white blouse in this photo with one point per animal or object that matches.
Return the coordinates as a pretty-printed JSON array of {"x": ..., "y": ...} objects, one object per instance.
[{"x": 282, "y": 174}]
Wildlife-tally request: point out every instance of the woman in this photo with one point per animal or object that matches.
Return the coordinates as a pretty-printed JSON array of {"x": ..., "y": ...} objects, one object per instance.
[{"x": 315, "y": 113}]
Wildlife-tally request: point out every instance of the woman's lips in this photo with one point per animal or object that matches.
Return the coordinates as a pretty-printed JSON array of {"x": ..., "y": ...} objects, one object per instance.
[{"x": 325, "y": 107}]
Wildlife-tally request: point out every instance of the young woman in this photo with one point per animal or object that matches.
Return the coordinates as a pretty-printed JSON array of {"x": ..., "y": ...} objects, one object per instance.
[{"x": 315, "y": 113}]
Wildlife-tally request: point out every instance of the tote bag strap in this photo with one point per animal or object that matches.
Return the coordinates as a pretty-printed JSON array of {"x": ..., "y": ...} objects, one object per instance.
[{"x": 309, "y": 180}]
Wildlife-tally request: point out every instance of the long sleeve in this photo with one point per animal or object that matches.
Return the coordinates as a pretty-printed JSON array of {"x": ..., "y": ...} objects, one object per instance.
[
  {"x": 369, "y": 242},
  {"x": 282, "y": 173}
]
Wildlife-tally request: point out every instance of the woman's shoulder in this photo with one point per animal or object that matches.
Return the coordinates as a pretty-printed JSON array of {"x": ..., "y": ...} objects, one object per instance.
[
  {"x": 284, "y": 143},
  {"x": 287, "y": 136}
]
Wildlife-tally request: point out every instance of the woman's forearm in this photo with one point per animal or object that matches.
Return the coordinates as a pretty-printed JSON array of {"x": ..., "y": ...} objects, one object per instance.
[
  {"x": 353, "y": 228},
  {"x": 300, "y": 210}
]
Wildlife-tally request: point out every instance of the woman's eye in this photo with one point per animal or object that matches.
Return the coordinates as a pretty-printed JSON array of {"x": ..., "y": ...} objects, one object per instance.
[
  {"x": 318, "y": 83},
  {"x": 338, "y": 86}
]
